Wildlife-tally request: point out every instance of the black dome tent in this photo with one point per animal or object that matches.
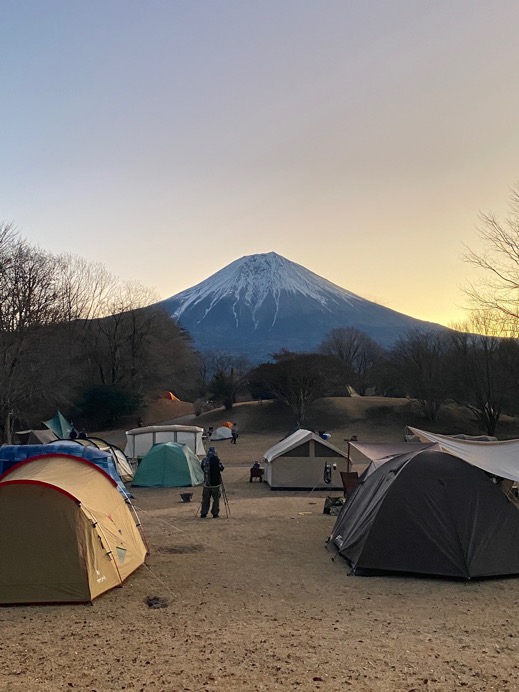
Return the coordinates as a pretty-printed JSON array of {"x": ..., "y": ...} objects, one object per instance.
[{"x": 428, "y": 512}]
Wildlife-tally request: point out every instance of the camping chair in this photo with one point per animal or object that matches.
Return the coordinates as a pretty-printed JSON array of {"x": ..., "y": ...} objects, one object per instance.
[
  {"x": 349, "y": 482},
  {"x": 256, "y": 473}
]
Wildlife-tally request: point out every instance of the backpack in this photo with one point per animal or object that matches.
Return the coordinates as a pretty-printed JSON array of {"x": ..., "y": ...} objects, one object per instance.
[{"x": 214, "y": 474}]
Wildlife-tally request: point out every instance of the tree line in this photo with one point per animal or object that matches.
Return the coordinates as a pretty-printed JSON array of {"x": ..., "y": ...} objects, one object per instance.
[
  {"x": 475, "y": 364},
  {"x": 478, "y": 371},
  {"x": 74, "y": 337}
]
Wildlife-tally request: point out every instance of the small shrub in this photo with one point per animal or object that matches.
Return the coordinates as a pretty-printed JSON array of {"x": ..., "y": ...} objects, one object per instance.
[{"x": 105, "y": 406}]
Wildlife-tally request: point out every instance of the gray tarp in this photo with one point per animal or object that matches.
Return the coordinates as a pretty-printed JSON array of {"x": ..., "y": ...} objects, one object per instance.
[{"x": 497, "y": 458}]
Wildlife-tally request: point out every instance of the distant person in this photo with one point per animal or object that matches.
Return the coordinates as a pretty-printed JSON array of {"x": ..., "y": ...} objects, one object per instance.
[
  {"x": 212, "y": 468},
  {"x": 83, "y": 435},
  {"x": 73, "y": 434},
  {"x": 139, "y": 422},
  {"x": 234, "y": 433}
]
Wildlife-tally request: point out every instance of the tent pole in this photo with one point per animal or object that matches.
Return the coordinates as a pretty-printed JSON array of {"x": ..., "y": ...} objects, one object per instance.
[{"x": 139, "y": 526}]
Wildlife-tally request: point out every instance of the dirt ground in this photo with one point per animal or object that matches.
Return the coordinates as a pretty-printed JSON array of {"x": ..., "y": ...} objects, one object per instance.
[{"x": 255, "y": 602}]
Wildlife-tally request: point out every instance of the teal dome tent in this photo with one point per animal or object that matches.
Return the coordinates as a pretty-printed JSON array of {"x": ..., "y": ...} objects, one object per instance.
[{"x": 169, "y": 465}]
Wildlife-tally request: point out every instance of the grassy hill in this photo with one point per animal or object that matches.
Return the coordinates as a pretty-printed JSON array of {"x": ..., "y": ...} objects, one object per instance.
[
  {"x": 374, "y": 418},
  {"x": 371, "y": 419}
]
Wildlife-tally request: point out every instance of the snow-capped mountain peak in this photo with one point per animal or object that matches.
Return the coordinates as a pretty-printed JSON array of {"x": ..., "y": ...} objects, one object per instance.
[
  {"x": 253, "y": 279},
  {"x": 262, "y": 303}
]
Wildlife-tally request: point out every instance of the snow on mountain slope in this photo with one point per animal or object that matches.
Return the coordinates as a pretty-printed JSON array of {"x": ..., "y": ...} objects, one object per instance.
[
  {"x": 253, "y": 279},
  {"x": 261, "y": 303}
]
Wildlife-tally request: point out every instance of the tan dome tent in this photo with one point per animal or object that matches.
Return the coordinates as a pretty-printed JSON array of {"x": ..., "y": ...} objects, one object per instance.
[
  {"x": 66, "y": 534},
  {"x": 122, "y": 465},
  {"x": 121, "y": 462},
  {"x": 35, "y": 437}
]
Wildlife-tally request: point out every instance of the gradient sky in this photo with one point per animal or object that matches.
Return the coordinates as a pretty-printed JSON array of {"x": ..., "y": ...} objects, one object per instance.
[{"x": 168, "y": 138}]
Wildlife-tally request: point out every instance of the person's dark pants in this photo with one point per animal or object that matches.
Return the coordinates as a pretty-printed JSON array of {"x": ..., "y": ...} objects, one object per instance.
[
  {"x": 234, "y": 438},
  {"x": 208, "y": 493}
]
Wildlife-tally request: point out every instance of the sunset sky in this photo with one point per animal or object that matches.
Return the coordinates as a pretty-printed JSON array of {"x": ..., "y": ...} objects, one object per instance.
[{"x": 168, "y": 138}]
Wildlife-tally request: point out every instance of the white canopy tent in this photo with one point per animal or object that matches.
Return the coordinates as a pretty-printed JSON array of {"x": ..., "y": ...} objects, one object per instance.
[
  {"x": 140, "y": 440},
  {"x": 497, "y": 458},
  {"x": 380, "y": 452},
  {"x": 297, "y": 462}
]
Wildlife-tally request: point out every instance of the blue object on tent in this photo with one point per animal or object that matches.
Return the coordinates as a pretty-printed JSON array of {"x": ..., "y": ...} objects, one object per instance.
[
  {"x": 14, "y": 454},
  {"x": 59, "y": 425}
]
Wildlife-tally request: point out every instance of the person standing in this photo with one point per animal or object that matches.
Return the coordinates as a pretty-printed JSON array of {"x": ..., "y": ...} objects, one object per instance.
[
  {"x": 234, "y": 433},
  {"x": 212, "y": 468}
]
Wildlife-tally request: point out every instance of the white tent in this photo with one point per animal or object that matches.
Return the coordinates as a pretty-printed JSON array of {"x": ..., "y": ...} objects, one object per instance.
[
  {"x": 141, "y": 440},
  {"x": 497, "y": 458},
  {"x": 298, "y": 462},
  {"x": 221, "y": 433}
]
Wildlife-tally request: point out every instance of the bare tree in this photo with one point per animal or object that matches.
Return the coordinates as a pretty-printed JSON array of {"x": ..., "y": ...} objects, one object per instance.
[
  {"x": 296, "y": 379},
  {"x": 29, "y": 301},
  {"x": 479, "y": 363},
  {"x": 118, "y": 341},
  {"x": 85, "y": 288},
  {"x": 486, "y": 363},
  {"x": 229, "y": 375},
  {"x": 499, "y": 288},
  {"x": 359, "y": 353},
  {"x": 419, "y": 360}
]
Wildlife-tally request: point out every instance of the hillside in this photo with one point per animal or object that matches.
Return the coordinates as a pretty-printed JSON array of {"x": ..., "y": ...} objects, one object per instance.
[
  {"x": 371, "y": 419},
  {"x": 374, "y": 418}
]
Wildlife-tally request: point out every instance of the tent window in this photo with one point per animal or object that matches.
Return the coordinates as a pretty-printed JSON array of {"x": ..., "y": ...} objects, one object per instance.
[
  {"x": 301, "y": 451},
  {"x": 322, "y": 451}
]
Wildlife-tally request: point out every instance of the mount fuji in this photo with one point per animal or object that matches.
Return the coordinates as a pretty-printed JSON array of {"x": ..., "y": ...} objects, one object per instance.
[{"x": 262, "y": 303}]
